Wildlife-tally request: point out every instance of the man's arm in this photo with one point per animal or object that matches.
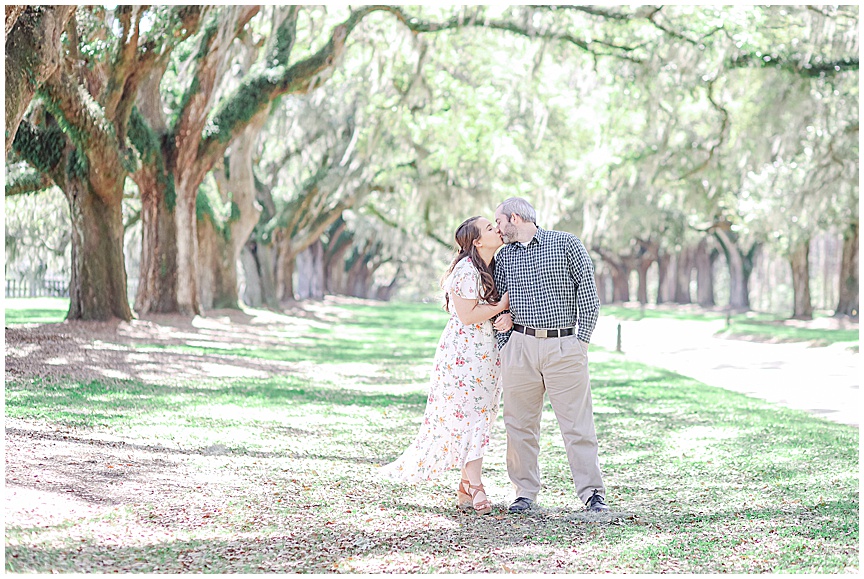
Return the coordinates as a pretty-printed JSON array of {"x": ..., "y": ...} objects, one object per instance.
[{"x": 587, "y": 301}]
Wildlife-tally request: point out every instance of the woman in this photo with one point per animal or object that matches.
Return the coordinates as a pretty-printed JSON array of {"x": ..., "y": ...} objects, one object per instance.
[{"x": 464, "y": 390}]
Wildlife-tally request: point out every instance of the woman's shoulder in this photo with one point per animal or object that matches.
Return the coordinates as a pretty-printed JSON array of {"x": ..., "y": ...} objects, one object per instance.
[{"x": 465, "y": 265}]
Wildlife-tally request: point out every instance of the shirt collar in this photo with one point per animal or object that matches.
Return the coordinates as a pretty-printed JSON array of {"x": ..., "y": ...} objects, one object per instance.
[{"x": 538, "y": 237}]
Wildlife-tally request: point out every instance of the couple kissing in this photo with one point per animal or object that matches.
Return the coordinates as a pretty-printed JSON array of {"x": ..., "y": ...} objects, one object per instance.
[{"x": 521, "y": 318}]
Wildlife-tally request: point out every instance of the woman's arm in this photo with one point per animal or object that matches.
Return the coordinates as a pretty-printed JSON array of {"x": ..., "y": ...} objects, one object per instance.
[{"x": 473, "y": 312}]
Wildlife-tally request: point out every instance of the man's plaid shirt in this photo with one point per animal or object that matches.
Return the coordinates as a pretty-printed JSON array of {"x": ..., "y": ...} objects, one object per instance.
[{"x": 551, "y": 283}]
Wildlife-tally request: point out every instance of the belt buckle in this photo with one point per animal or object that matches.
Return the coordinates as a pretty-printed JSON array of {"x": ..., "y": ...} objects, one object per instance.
[{"x": 541, "y": 333}]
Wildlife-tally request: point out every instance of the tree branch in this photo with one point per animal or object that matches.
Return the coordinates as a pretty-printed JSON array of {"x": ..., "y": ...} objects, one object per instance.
[
  {"x": 795, "y": 64},
  {"x": 80, "y": 117},
  {"x": 28, "y": 182},
  {"x": 724, "y": 126}
]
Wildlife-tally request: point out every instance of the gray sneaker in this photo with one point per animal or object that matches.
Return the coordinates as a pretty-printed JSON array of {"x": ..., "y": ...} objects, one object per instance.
[
  {"x": 520, "y": 505},
  {"x": 596, "y": 504}
]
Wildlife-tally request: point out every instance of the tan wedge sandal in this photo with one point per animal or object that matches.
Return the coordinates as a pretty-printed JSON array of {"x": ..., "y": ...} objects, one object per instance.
[
  {"x": 484, "y": 507},
  {"x": 463, "y": 498}
]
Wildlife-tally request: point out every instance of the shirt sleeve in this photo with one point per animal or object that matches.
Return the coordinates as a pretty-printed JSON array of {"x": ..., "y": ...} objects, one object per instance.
[
  {"x": 587, "y": 302},
  {"x": 465, "y": 282},
  {"x": 501, "y": 286}
]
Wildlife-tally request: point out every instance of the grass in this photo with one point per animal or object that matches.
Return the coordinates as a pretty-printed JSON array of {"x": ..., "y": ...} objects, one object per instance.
[
  {"x": 279, "y": 475},
  {"x": 781, "y": 331},
  {"x": 35, "y": 310},
  {"x": 751, "y": 326}
]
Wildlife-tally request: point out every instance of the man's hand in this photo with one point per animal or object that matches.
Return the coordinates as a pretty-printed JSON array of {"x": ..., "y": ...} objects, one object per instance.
[
  {"x": 584, "y": 345},
  {"x": 504, "y": 323}
]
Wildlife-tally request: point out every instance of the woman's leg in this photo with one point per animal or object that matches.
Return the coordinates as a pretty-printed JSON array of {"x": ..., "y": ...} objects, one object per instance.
[
  {"x": 472, "y": 471},
  {"x": 478, "y": 496}
]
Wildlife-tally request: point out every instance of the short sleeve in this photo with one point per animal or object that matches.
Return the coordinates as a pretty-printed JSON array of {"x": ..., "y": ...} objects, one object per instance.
[{"x": 465, "y": 282}]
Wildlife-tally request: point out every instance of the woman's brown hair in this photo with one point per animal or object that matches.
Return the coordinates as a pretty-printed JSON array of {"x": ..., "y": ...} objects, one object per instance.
[{"x": 466, "y": 234}]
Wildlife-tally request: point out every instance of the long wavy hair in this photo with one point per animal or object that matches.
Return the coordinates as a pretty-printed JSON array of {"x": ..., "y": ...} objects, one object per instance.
[{"x": 465, "y": 236}]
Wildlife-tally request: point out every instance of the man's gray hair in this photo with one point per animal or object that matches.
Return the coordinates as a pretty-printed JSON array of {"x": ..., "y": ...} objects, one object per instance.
[{"x": 520, "y": 207}]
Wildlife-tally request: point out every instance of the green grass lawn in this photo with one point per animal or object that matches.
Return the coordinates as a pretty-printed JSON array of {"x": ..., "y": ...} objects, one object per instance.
[
  {"x": 35, "y": 310},
  {"x": 279, "y": 474}
]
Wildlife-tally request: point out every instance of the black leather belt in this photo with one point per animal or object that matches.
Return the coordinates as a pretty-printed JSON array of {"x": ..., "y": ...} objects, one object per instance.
[{"x": 539, "y": 333}]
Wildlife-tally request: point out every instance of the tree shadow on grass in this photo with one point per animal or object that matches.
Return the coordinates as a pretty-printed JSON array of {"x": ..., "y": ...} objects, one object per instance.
[
  {"x": 98, "y": 402},
  {"x": 446, "y": 540}
]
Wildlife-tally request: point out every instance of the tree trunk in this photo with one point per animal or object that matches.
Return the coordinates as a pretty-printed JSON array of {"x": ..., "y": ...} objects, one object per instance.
[
  {"x": 220, "y": 244},
  {"x": 253, "y": 295},
  {"x": 13, "y": 11},
  {"x": 186, "y": 226},
  {"x": 267, "y": 269},
  {"x": 683, "y": 275},
  {"x": 799, "y": 259},
  {"x": 358, "y": 277},
  {"x": 33, "y": 53},
  {"x": 259, "y": 267},
  {"x": 157, "y": 278},
  {"x": 847, "y": 305},
  {"x": 310, "y": 272},
  {"x": 620, "y": 271},
  {"x": 217, "y": 276},
  {"x": 385, "y": 292},
  {"x": 740, "y": 268},
  {"x": 340, "y": 240},
  {"x": 665, "y": 281},
  {"x": 97, "y": 289},
  {"x": 285, "y": 264},
  {"x": 642, "y": 269},
  {"x": 620, "y": 283},
  {"x": 704, "y": 274}
]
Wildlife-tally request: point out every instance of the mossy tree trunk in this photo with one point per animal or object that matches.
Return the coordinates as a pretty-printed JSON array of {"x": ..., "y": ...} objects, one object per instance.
[
  {"x": 193, "y": 160},
  {"x": 221, "y": 241},
  {"x": 97, "y": 289},
  {"x": 33, "y": 53},
  {"x": 847, "y": 304},
  {"x": 157, "y": 274},
  {"x": 88, "y": 109},
  {"x": 221, "y": 237}
]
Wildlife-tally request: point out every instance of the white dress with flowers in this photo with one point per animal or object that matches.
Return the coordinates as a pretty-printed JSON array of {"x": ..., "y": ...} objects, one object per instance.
[{"x": 464, "y": 392}]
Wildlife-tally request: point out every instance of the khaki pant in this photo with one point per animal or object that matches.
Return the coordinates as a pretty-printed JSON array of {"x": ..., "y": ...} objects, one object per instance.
[{"x": 558, "y": 367}]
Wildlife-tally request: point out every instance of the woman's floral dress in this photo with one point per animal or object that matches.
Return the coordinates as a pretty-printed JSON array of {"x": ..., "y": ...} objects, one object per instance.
[{"x": 463, "y": 394}]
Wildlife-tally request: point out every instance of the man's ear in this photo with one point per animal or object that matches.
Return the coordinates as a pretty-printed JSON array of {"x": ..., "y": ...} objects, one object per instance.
[{"x": 516, "y": 219}]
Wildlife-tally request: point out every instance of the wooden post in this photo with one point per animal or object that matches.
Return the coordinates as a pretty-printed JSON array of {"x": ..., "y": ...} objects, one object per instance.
[{"x": 618, "y": 341}]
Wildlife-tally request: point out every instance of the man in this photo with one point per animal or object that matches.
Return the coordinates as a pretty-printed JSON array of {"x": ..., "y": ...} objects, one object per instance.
[{"x": 544, "y": 348}]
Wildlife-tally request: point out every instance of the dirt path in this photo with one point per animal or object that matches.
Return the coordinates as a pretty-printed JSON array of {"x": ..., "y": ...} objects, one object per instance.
[{"x": 821, "y": 380}]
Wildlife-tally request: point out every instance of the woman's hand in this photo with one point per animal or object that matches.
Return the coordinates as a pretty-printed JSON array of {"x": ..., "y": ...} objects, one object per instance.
[{"x": 504, "y": 323}]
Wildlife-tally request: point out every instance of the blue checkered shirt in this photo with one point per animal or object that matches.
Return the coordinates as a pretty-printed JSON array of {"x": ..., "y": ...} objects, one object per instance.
[{"x": 551, "y": 283}]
